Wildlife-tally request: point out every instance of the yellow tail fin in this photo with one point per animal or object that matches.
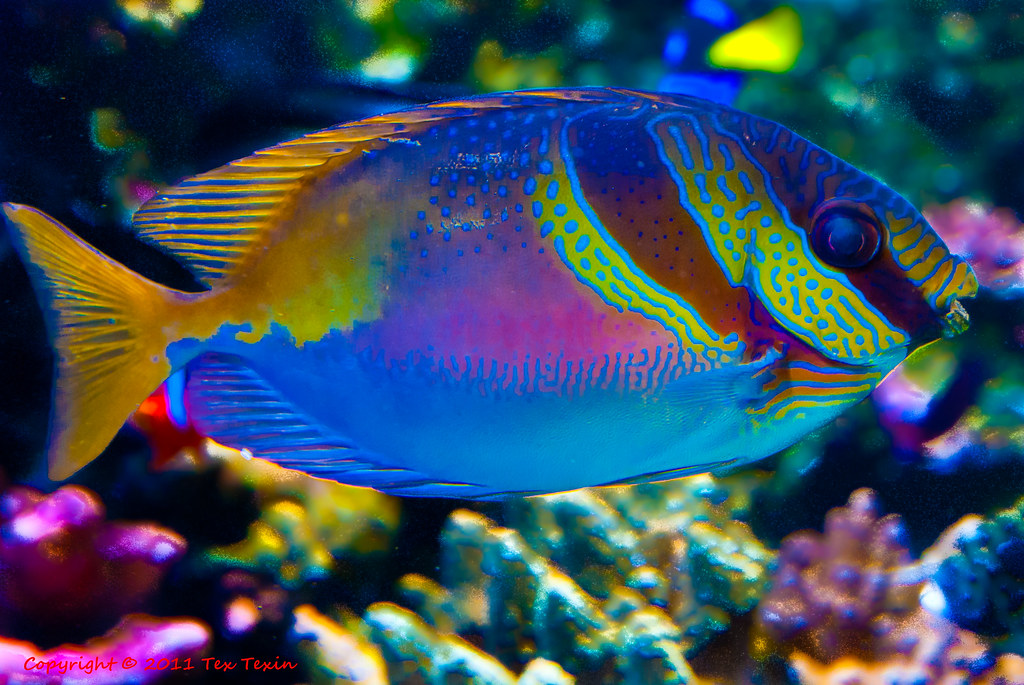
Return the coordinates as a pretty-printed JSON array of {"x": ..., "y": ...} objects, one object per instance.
[{"x": 108, "y": 328}]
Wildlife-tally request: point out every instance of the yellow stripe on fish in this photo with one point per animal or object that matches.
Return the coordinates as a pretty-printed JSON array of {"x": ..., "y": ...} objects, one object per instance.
[
  {"x": 729, "y": 196},
  {"x": 806, "y": 385},
  {"x": 566, "y": 219},
  {"x": 517, "y": 293}
]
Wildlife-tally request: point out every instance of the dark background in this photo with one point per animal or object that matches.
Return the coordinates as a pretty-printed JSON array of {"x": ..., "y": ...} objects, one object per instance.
[{"x": 98, "y": 108}]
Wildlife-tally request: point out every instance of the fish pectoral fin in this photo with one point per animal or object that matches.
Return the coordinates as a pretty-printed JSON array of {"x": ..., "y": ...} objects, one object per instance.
[
  {"x": 232, "y": 404},
  {"x": 737, "y": 386}
]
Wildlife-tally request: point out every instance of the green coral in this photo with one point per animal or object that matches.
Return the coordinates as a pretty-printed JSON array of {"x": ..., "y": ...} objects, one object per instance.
[
  {"x": 682, "y": 545},
  {"x": 984, "y": 581},
  {"x": 306, "y": 525},
  {"x": 394, "y": 645},
  {"x": 603, "y": 580}
]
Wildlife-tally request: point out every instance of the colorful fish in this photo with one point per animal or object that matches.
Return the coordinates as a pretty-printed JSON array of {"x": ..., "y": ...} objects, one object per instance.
[{"x": 516, "y": 293}]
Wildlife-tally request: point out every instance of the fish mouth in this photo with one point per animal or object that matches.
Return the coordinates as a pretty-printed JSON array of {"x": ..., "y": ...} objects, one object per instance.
[{"x": 955, "y": 320}]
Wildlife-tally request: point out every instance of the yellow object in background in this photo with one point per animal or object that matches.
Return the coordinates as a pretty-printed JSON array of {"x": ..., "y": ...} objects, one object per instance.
[
  {"x": 771, "y": 43},
  {"x": 165, "y": 14},
  {"x": 494, "y": 70}
]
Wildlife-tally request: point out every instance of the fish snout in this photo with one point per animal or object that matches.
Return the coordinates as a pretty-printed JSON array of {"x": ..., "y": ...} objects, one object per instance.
[
  {"x": 948, "y": 302},
  {"x": 955, "y": 321}
]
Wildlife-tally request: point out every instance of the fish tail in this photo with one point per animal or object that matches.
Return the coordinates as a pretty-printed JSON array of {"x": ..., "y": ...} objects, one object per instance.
[{"x": 109, "y": 327}]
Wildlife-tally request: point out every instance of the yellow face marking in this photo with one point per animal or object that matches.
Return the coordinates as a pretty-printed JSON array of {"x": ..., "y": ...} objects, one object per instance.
[
  {"x": 757, "y": 245},
  {"x": 904, "y": 240},
  {"x": 929, "y": 263}
]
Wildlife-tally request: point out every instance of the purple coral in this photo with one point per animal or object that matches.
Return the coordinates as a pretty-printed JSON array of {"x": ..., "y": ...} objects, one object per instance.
[
  {"x": 140, "y": 649},
  {"x": 61, "y": 561},
  {"x": 991, "y": 239},
  {"x": 829, "y": 588}
]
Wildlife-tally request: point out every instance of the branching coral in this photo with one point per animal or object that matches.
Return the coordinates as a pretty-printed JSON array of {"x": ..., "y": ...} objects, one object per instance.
[
  {"x": 614, "y": 581},
  {"x": 829, "y": 589},
  {"x": 919, "y": 648},
  {"x": 61, "y": 561},
  {"x": 413, "y": 652},
  {"x": 336, "y": 652},
  {"x": 839, "y": 613},
  {"x": 307, "y": 525},
  {"x": 984, "y": 581}
]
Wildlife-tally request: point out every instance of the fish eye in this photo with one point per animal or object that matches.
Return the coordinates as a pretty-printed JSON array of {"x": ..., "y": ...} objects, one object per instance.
[{"x": 845, "y": 238}]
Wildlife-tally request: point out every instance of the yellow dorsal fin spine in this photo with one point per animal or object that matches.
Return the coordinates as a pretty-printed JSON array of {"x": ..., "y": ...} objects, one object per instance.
[{"x": 110, "y": 328}]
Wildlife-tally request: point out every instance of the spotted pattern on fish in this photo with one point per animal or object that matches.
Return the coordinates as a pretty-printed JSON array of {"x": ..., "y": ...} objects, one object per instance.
[{"x": 517, "y": 293}]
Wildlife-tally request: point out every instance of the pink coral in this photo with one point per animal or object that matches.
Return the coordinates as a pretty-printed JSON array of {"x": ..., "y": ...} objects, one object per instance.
[
  {"x": 829, "y": 590},
  {"x": 991, "y": 239},
  {"x": 61, "y": 561},
  {"x": 840, "y": 615},
  {"x": 140, "y": 649},
  {"x": 919, "y": 648}
]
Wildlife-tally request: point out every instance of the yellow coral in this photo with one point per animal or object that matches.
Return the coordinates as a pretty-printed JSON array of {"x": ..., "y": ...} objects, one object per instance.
[
  {"x": 340, "y": 653},
  {"x": 306, "y": 524}
]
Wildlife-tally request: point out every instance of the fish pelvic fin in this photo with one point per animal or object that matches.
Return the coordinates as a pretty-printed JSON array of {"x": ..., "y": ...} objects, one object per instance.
[{"x": 109, "y": 327}]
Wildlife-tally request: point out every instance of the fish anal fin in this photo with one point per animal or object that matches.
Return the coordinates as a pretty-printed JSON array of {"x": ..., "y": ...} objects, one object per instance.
[{"x": 232, "y": 404}]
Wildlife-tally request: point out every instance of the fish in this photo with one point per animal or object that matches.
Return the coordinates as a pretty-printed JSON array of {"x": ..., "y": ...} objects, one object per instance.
[{"x": 511, "y": 294}]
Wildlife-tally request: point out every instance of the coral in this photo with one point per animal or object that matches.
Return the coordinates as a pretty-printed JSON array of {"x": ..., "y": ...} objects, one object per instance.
[
  {"x": 613, "y": 580},
  {"x": 61, "y": 561},
  {"x": 831, "y": 589},
  {"x": 679, "y": 544},
  {"x": 983, "y": 582},
  {"x": 306, "y": 525},
  {"x": 250, "y": 603},
  {"x": 166, "y": 645},
  {"x": 334, "y": 652},
  {"x": 919, "y": 648},
  {"x": 992, "y": 240},
  {"x": 604, "y": 584},
  {"x": 393, "y": 645},
  {"x": 160, "y": 15},
  {"x": 845, "y": 608}
]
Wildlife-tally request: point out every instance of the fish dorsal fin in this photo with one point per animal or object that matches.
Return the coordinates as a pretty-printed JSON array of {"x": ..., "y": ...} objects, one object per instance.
[{"x": 212, "y": 221}]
